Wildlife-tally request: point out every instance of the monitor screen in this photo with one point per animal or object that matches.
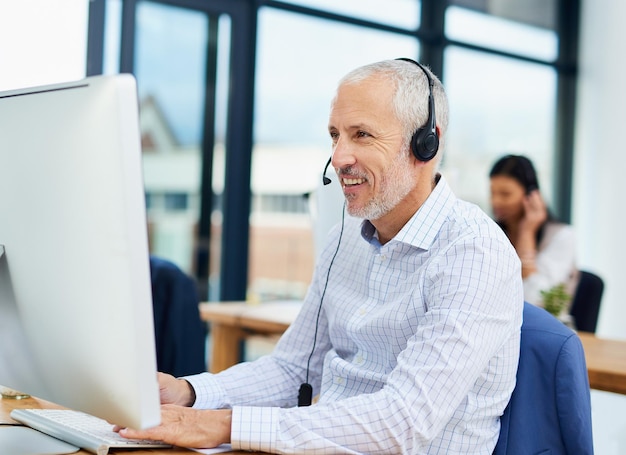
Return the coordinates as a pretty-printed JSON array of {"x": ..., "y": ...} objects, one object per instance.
[{"x": 76, "y": 323}]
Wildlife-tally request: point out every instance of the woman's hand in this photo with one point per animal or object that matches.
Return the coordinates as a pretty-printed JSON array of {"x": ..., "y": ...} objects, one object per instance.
[
  {"x": 535, "y": 212},
  {"x": 186, "y": 427}
]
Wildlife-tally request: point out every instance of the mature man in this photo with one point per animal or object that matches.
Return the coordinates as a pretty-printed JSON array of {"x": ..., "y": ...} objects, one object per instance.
[{"x": 410, "y": 329}]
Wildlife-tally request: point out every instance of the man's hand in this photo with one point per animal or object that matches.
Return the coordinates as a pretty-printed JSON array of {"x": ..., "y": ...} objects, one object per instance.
[
  {"x": 175, "y": 391},
  {"x": 186, "y": 427}
]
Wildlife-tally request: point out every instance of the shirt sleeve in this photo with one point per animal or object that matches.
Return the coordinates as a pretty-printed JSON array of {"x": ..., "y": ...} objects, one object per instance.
[
  {"x": 275, "y": 379},
  {"x": 272, "y": 380}
]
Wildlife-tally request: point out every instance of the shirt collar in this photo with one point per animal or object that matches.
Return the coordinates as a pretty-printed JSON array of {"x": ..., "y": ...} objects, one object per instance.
[{"x": 422, "y": 228}]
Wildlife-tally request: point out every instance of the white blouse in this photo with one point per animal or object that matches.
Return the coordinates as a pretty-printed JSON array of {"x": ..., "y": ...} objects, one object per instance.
[{"x": 555, "y": 261}]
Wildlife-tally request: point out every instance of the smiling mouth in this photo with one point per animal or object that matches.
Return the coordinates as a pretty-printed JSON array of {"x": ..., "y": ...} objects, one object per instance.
[{"x": 352, "y": 181}]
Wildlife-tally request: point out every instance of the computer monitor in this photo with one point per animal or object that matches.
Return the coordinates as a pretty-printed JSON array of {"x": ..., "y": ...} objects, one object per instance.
[{"x": 76, "y": 323}]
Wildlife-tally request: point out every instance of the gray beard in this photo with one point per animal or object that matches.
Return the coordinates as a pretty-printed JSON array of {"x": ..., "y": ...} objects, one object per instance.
[{"x": 397, "y": 181}]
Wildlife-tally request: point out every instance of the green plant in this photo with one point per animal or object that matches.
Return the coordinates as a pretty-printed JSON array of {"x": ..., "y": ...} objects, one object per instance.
[{"x": 555, "y": 299}]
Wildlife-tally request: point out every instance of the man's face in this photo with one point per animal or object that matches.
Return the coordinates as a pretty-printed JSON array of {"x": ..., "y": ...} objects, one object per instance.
[{"x": 374, "y": 172}]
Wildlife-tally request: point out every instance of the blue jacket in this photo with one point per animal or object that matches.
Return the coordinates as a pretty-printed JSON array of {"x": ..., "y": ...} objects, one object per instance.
[{"x": 550, "y": 409}]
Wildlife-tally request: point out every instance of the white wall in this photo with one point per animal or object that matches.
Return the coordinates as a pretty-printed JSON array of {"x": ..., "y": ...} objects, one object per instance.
[
  {"x": 42, "y": 42},
  {"x": 600, "y": 156}
]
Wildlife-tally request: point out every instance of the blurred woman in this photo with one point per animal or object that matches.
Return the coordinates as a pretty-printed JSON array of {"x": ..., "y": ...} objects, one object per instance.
[{"x": 545, "y": 246}]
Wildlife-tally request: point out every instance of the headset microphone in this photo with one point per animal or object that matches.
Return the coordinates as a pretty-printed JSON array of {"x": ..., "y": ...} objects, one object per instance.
[
  {"x": 325, "y": 179},
  {"x": 305, "y": 394}
]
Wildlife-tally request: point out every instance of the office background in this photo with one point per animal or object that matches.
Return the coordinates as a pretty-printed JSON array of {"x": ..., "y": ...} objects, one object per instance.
[{"x": 43, "y": 42}]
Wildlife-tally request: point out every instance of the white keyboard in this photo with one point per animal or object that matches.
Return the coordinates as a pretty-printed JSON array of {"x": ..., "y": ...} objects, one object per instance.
[{"x": 82, "y": 430}]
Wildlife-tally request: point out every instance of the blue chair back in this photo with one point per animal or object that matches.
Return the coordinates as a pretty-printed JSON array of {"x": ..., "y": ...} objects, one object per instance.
[{"x": 550, "y": 408}]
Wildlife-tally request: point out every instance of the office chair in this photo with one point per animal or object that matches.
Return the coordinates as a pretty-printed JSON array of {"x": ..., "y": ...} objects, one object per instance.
[
  {"x": 180, "y": 334},
  {"x": 550, "y": 408},
  {"x": 586, "y": 303}
]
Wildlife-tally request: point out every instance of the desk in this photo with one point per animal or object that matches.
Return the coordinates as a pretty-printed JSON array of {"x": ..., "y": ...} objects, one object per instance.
[
  {"x": 606, "y": 362},
  {"x": 7, "y": 405},
  {"x": 233, "y": 322}
]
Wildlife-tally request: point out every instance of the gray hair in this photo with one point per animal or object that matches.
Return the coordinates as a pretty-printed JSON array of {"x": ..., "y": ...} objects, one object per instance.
[{"x": 410, "y": 101}]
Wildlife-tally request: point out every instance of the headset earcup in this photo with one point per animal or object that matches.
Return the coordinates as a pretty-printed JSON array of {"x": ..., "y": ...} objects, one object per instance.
[{"x": 424, "y": 144}]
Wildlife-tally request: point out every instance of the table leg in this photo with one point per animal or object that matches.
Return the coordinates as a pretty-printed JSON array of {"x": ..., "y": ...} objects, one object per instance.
[{"x": 226, "y": 346}]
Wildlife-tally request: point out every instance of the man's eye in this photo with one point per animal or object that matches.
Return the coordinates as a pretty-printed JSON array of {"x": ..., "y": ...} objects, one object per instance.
[{"x": 362, "y": 134}]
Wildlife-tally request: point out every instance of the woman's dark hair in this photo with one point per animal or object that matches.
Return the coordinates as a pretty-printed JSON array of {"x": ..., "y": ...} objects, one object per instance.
[{"x": 521, "y": 169}]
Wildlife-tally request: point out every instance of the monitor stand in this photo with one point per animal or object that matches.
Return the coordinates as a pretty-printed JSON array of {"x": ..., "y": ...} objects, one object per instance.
[
  {"x": 20, "y": 440},
  {"x": 16, "y": 363}
]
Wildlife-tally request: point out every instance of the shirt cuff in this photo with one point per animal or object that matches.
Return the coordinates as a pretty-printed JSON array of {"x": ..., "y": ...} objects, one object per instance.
[
  {"x": 254, "y": 428},
  {"x": 209, "y": 392}
]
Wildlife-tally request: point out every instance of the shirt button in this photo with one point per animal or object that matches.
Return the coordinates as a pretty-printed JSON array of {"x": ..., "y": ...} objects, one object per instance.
[
  {"x": 362, "y": 311},
  {"x": 359, "y": 359},
  {"x": 339, "y": 380}
]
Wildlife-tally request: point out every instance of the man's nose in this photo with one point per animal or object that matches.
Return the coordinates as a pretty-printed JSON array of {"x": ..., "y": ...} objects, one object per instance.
[{"x": 343, "y": 154}]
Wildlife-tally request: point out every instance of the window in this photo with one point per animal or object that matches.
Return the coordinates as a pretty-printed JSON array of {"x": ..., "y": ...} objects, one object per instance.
[
  {"x": 501, "y": 61},
  {"x": 497, "y": 106},
  {"x": 176, "y": 201},
  {"x": 170, "y": 60},
  {"x": 295, "y": 81},
  {"x": 400, "y": 13},
  {"x": 524, "y": 28}
]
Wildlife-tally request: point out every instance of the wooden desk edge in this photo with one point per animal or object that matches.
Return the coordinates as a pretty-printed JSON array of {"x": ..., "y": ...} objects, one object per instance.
[
  {"x": 607, "y": 373},
  {"x": 241, "y": 315}
]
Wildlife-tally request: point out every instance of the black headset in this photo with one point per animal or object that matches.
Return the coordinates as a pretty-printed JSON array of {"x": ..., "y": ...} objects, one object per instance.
[{"x": 425, "y": 142}]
